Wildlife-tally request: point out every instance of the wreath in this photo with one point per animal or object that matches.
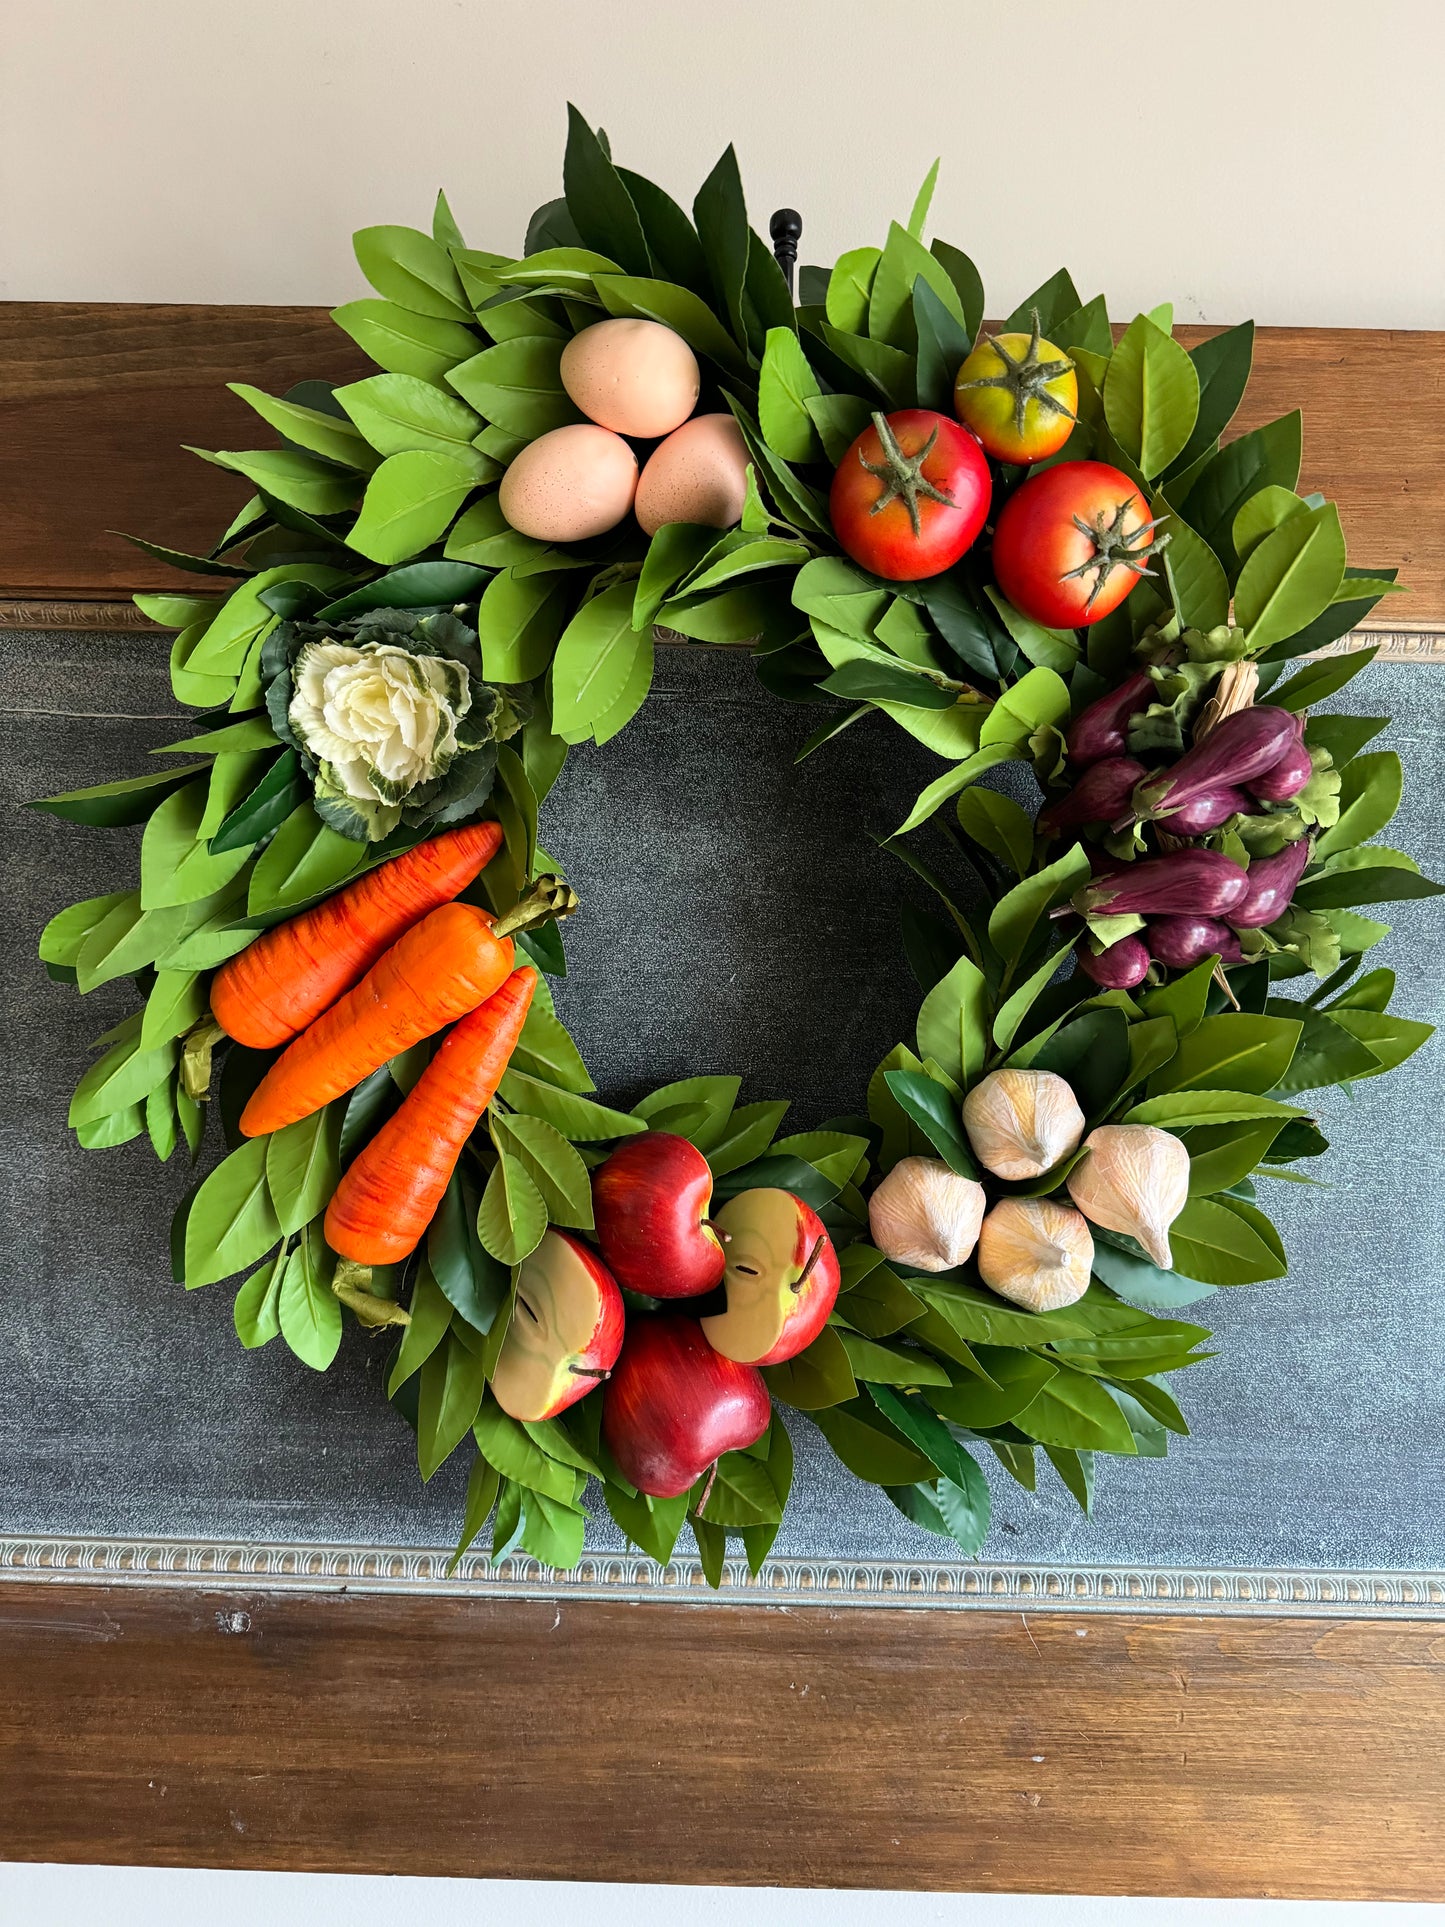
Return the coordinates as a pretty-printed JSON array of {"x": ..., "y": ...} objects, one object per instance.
[{"x": 1030, "y": 545}]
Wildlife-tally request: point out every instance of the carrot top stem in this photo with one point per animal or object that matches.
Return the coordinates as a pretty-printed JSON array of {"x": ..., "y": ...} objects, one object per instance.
[{"x": 548, "y": 901}]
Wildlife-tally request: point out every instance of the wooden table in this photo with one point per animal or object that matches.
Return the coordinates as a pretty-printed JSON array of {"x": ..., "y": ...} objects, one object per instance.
[{"x": 806, "y": 1745}]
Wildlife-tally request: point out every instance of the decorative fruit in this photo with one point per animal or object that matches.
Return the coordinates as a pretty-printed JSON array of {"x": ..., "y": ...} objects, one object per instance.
[
  {"x": 570, "y": 483},
  {"x": 566, "y": 1330},
  {"x": 650, "y": 1200},
  {"x": 634, "y": 377},
  {"x": 1102, "y": 729},
  {"x": 781, "y": 1277},
  {"x": 1120, "y": 966},
  {"x": 699, "y": 474},
  {"x": 926, "y": 1215},
  {"x": 1020, "y": 1123},
  {"x": 1101, "y": 795},
  {"x": 1269, "y": 884},
  {"x": 1071, "y": 543},
  {"x": 1236, "y": 750},
  {"x": 1187, "y": 882},
  {"x": 673, "y": 1405},
  {"x": 1036, "y": 1253},
  {"x": 1133, "y": 1179},
  {"x": 1182, "y": 942},
  {"x": 1018, "y": 393},
  {"x": 911, "y": 495}
]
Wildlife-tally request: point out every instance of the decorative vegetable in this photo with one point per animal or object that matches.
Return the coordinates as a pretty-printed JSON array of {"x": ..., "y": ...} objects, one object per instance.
[
  {"x": 1102, "y": 729},
  {"x": 288, "y": 976},
  {"x": 1288, "y": 776},
  {"x": 1236, "y": 750},
  {"x": 1072, "y": 542},
  {"x": 1018, "y": 393},
  {"x": 440, "y": 969},
  {"x": 1209, "y": 810},
  {"x": 1020, "y": 1123},
  {"x": 1101, "y": 795},
  {"x": 911, "y": 495},
  {"x": 1036, "y": 1253},
  {"x": 1133, "y": 1179},
  {"x": 1182, "y": 942},
  {"x": 1188, "y": 882},
  {"x": 389, "y": 1195},
  {"x": 1120, "y": 966},
  {"x": 1269, "y": 886},
  {"x": 926, "y": 1215}
]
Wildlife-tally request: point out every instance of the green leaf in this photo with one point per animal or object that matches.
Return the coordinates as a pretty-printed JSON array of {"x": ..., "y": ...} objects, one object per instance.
[
  {"x": 304, "y": 859},
  {"x": 299, "y": 480},
  {"x": 453, "y": 1379},
  {"x": 517, "y": 1455},
  {"x": 720, "y": 215},
  {"x": 595, "y": 656},
  {"x": 750, "y": 1131},
  {"x": 1222, "y": 364},
  {"x": 1355, "y": 878},
  {"x": 467, "y": 1274},
  {"x": 650, "y": 1524},
  {"x": 904, "y": 262},
  {"x": 865, "y": 681},
  {"x": 561, "y": 1178},
  {"x": 953, "y": 1022},
  {"x": 870, "y": 1447},
  {"x": 410, "y": 502},
  {"x": 674, "y": 552},
  {"x": 131, "y": 800},
  {"x": 1234, "y": 1052},
  {"x": 934, "y": 1111},
  {"x": 483, "y": 1485},
  {"x": 999, "y": 825},
  {"x": 598, "y": 202},
  {"x": 1014, "y": 1380},
  {"x": 560, "y": 270},
  {"x": 1221, "y": 1154},
  {"x": 577, "y": 1118},
  {"x": 1055, "y": 299},
  {"x": 411, "y": 269},
  {"x": 877, "y": 1364},
  {"x": 120, "y": 1078},
  {"x": 1290, "y": 577},
  {"x": 320, "y": 434},
  {"x": 517, "y": 386},
  {"x": 231, "y": 1222},
  {"x": 1093, "y": 1054},
  {"x": 405, "y": 343},
  {"x": 676, "y": 308},
  {"x": 175, "y": 867},
  {"x": 307, "y": 1309},
  {"x": 1038, "y": 700},
  {"x": 1135, "y": 1278},
  {"x": 256, "y": 1313},
  {"x": 1262, "y": 514},
  {"x": 1389, "y": 1039},
  {"x": 519, "y": 621},
  {"x": 785, "y": 385},
  {"x": 1218, "y": 1241},
  {"x": 981, "y": 1318},
  {"x": 888, "y": 370},
  {"x": 921, "y": 1426},
  {"x": 818, "y": 1378},
  {"x": 1016, "y": 1008},
  {"x": 1053, "y": 649},
  {"x": 943, "y": 345},
  {"x": 482, "y": 535},
  {"x": 430, "y": 1317},
  {"x": 849, "y": 288},
  {"x": 1076, "y": 1411},
  {"x": 303, "y": 1165},
  {"x": 513, "y": 1215},
  {"x": 399, "y": 413},
  {"x": 1264, "y": 457},
  {"x": 1179, "y": 1110},
  {"x": 1317, "y": 680},
  {"x": 1198, "y": 586},
  {"x": 917, "y": 220},
  {"x": 742, "y": 553},
  {"x": 1184, "y": 1000},
  {"x": 553, "y": 1532},
  {"x": 1016, "y": 917},
  {"x": 1370, "y": 791},
  {"x": 1151, "y": 396}
]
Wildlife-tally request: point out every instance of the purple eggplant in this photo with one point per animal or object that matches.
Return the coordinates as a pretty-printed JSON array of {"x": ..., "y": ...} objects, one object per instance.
[
  {"x": 1123, "y": 965},
  {"x": 1269, "y": 886},
  {"x": 1287, "y": 777},
  {"x": 1182, "y": 942},
  {"x": 1101, "y": 795},
  {"x": 1190, "y": 882},
  {"x": 1101, "y": 730},
  {"x": 1243, "y": 746},
  {"x": 1209, "y": 810}
]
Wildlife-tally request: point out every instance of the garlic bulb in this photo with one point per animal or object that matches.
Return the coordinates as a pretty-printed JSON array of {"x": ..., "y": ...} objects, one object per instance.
[
  {"x": 925, "y": 1215},
  {"x": 1020, "y": 1123},
  {"x": 1035, "y": 1252},
  {"x": 1135, "y": 1179}
]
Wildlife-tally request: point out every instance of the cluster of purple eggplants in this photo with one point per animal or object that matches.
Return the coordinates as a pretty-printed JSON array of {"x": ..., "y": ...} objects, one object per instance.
[{"x": 1196, "y": 899}]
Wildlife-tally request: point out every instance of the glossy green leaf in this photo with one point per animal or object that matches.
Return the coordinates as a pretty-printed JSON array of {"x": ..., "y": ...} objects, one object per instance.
[
  {"x": 597, "y": 200},
  {"x": 430, "y": 1319},
  {"x": 398, "y": 413},
  {"x": 303, "y": 1165},
  {"x": 301, "y": 481},
  {"x": 1076, "y": 1411},
  {"x": 1015, "y": 919},
  {"x": 405, "y": 343},
  {"x": 411, "y": 269},
  {"x": 130, "y": 800},
  {"x": 175, "y": 867},
  {"x": 817, "y": 1379},
  {"x": 1318, "y": 680},
  {"x": 453, "y": 1379},
  {"x": 474, "y": 1282},
  {"x": 561, "y": 1178},
  {"x": 411, "y": 501},
  {"x": 595, "y": 655},
  {"x": 1290, "y": 577},
  {"x": 256, "y": 1313},
  {"x": 1214, "y": 1240},
  {"x": 999, "y": 825},
  {"x": 785, "y": 385},
  {"x": 953, "y": 1023},
  {"x": 1264, "y": 457},
  {"x": 513, "y": 1215},
  {"x": 1222, "y": 364},
  {"x": 849, "y": 288},
  {"x": 934, "y": 1111},
  {"x": 577, "y": 1118},
  {"x": 870, "y": 1447},
  {"x": 231, "y": 1222},
  {"x": 305, "y": 858},
  {"x": 1233, "y": 1052},
  {"x": 1151, "y": 396},
  {"x": 321, "y": 434}
]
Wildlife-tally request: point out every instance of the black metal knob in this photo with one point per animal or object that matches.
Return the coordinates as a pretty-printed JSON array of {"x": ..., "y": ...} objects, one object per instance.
[{"x": 786, "y": 230}]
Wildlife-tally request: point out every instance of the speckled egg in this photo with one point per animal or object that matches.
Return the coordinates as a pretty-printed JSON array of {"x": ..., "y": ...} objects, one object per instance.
[
  {"x": 570, "y": 483},
  {"x": 699, "y": 474},
  {"x": 634, "y": 377}
]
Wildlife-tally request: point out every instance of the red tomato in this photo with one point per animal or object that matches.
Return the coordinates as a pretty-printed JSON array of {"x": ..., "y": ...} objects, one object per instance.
[
  {"x": 911, "y": 495},
  {"x": 1071, "y": 543}
]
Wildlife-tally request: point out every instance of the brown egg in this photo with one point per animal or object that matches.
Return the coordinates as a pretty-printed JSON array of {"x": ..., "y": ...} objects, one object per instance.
[
  {"x": 570, "y": 483},
  {"x": 634, "y": 377},
  {"x": 699, "y": 474}
]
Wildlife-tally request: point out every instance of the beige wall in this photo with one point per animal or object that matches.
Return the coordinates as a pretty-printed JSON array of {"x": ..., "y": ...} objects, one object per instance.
[{"x": 1268, "y": 157}]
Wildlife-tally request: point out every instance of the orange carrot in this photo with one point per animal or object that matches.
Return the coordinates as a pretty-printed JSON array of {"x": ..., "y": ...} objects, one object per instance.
[
  {"x": 391, "y": 1191},
  {"x": 440, "y": 969},
  {"x": 284, "y": 980}
]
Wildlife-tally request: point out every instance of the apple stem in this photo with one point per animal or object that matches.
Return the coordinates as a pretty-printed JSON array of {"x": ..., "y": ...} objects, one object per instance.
[
  {"x": 723, "y": 1237},
  {"x": 813, "y": 1257},
  {"x": 587, "y": 1371},
  {"x": 707, "y": 1489}
]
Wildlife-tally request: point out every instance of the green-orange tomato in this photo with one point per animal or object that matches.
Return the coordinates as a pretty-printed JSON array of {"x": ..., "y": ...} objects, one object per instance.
[{"x": 1019, "y": 394}]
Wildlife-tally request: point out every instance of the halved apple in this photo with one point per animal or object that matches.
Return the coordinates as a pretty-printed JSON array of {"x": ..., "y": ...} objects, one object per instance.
[
  {"x": 781, "y": 1278},
  {"x": 565, "y": 1333}
]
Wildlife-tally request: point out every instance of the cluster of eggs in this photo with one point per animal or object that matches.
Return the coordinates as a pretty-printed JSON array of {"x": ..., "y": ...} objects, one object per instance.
[{"x": 634, "y": 381}]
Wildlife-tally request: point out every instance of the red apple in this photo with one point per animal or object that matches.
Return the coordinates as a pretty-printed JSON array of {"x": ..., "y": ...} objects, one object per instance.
[
  {"x": 651, "y": 1201},
  {"x": 565, "y": 1333},
  {"x": 782, "y": 1278},
  {"x": 674, "y": 1405}
]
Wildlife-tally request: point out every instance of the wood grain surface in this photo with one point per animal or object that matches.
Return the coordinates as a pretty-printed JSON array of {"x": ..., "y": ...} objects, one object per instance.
[
  {"x": 732, "y": 1745},
  {"x": 97, "y": 400}
]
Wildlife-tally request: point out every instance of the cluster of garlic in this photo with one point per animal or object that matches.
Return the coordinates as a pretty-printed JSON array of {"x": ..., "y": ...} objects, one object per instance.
[{"x": 1037, "y": 1252}]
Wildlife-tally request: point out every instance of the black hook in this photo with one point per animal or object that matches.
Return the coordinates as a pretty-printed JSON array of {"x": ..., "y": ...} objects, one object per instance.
[{"x": 786, "y": 230}]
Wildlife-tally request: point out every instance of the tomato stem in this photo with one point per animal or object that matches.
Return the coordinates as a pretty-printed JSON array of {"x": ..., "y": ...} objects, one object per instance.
[
  {"x": 1115, "y": 548},
  {"x": 902, "y": 475},
  {"x": 1028, "y": 378}
]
